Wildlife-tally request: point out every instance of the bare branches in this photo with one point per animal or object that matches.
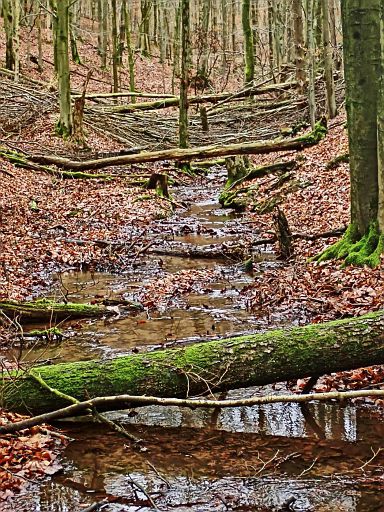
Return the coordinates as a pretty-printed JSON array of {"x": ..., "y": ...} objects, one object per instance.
[{"x": 129, "y": 401}]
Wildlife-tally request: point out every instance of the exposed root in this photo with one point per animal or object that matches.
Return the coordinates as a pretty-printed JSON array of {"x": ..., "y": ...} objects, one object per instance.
[{"x": 356, "y": 250}]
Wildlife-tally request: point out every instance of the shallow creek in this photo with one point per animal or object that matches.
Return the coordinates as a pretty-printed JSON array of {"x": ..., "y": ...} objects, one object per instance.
[{"x": 274, "y": 457}]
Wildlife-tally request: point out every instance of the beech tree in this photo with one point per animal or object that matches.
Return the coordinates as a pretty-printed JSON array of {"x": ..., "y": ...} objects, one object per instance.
[
  {"x": 64, "y": 126},
  {"x": 363, "y": 66}
]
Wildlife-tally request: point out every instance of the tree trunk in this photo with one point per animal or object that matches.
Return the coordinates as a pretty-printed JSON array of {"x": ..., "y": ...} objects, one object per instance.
[
  {"x": 174, "y": 101},
  {"x": 130, "y": 50},
  {"x": 52, "y": 311},
  {"x": 311, "y": 61},
  {"x": 64, "y": 126},
  {"x": 202, "y": 71},
  {"x": 9, "y": 39},
  {"x": 202, "y": 368},
  {"x": 380, "y": 134},
  {"x": 249, "y": 58},
  {"x": 361, "y": 29},
  {"x": 16, "y": 37},
  {"x": 184, "y": 79},
  {"x": 363, "y": 242},
  {"x": 328, "y": 62},
  {"x": 299, "y": 43},
  {"x": 115, "y": 49}
]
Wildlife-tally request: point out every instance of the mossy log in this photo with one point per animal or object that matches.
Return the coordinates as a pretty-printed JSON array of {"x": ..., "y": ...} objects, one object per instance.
[
  {"x": 233, "y": 197},
  {"x": 187, "y": 155},
  {"x": 202, "y": 368},
  {"x": 43, "y": 310},
  {"x": 19, "y": 160}
]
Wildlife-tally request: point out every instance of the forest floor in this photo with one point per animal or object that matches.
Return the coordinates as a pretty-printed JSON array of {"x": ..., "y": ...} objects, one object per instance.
[{"x": 42, "y": 219}]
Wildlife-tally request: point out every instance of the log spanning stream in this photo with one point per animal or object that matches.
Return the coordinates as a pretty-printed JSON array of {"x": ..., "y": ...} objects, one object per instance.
[{"x": 275, "y": 457}]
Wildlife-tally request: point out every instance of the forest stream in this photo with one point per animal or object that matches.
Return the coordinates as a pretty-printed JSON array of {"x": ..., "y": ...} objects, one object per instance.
[{"x": 276, "y": 457}]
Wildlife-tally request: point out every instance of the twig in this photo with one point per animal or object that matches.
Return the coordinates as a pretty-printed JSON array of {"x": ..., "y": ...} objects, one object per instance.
[
  {"x": 308, "y": 469},
  {"x": 96, "y": 506},
  {"x": 141, "y": 488},
  {"x": 375, "y": 454},
  {"x": 158, "y": 474}
]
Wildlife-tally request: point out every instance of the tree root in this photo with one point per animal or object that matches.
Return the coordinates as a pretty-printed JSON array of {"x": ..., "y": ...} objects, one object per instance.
[{"x": 356, "y": 250}]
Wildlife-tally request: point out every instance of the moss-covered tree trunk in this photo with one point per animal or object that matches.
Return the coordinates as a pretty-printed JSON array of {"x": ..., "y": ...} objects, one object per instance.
[
  {"x": 249, "y": 58},
  {"x": 380, "y": 132},
  {"x": 361, "y": 27},
  {"x": 363, "y": 55},
  {"x": 202, "y": 368}
]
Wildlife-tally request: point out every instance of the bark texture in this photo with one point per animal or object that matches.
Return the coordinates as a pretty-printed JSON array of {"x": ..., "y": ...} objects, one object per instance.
[
  {"x": 202, "y": 368},
  {"x": 361, "y": 36}
]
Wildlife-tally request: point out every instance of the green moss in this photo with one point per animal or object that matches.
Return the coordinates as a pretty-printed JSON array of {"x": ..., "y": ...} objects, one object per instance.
[
  {"x": 20, "y": 161},
  {"x": 53, "y": 331},
  {"x": 233, "y": 199},
  {"x": 143, "y": 197},
  {"x": 45, "y": 309},
  {"x": 355, "y": 250},
  {"x": 231, "y": 363},
  {"x": 315, "y": 135}
]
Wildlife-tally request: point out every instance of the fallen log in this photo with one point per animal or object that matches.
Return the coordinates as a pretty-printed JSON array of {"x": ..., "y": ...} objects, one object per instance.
[
  {"x": 45, "y": 309},
  {"x": 20, "y": 160},
  {"x": 203, "y": 368},
  {"x": 186, "y": 155},
  {"x": 136, "y": 94},
  {"x": 197, "y": 100},
  {"x": 225, "y": 251},
  {"x": 229, "y": 195}
]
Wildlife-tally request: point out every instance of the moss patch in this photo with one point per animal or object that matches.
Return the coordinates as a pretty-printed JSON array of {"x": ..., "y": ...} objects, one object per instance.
[
  {"x": 356, "y": 250},
  {"x": 46, "y": 309},
  {"x": 315, "y": 135}
]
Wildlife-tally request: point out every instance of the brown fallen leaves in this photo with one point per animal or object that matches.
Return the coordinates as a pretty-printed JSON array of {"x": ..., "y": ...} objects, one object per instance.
[
  {"x": 162, "y": 293},
  {"x": 300, "y": 292},
  {"x": 26, "y": 458},
  {"x": 317, "y": 292}
]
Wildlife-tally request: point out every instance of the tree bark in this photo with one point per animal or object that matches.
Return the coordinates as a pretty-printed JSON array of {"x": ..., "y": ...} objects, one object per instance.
[
  {"x": 297, "y": 9},
  {"x": 184, "y": 78},
  {"x": 361, "y": 36},
  {"x": 249, "y": 58},
  {"x": 311, "y": 62},
  {"x": 64, "y": 126},
  {"x": 202, "y": 368},
  {"x": 328, "y": 62}
]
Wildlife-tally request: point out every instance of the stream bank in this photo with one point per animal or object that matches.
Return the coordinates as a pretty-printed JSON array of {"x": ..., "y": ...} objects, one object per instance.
[{"x": 260, "y": 458}]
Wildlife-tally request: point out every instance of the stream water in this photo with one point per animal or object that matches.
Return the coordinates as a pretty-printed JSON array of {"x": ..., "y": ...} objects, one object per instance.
[{"x": 279, "y": 457}]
